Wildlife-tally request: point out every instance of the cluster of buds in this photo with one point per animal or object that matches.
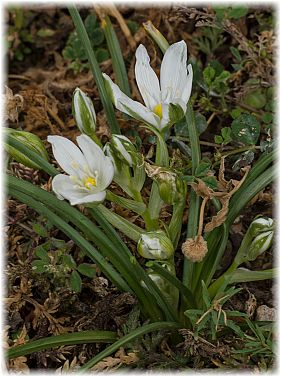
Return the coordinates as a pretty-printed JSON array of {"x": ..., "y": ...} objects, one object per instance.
[
  {"x": 31, "y": 141},
  {"x": 257, "y": 240},
  {"x": 171, "y": 187}
]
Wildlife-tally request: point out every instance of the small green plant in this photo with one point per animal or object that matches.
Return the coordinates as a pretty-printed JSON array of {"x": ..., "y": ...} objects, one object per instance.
[
  {"x": 52, "y": 260},
  {"x": 74, "y": 51},
  {"x": 19, "y": 38}
]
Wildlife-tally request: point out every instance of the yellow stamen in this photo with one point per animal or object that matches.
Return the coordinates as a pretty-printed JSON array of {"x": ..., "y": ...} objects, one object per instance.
[
  {"x": 90, "y": 182},
  {"x": 158, "y": 110}
]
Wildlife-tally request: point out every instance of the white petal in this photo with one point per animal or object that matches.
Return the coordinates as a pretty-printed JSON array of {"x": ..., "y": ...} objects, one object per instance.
[
  {"x": 86, "y": 199},
  {"x": 120, "y": 147},
  {"x": 67, "y": 154},
  {"x": 93, "y": 154},
  {"x": 187, "y": 86},
  {"x": 107, "y": 174},
  {"x": 64, "y": 188},
  {"x": 146, "y": 79},
  {"x": 173, "y": 74},
  {"x": 133, "y": 108}
]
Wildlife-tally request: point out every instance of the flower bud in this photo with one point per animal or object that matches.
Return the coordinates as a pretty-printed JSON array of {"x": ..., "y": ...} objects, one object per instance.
[
  {"x": 259, "y": 245},
  {"x": 260, "y": 225},
  {"x": 171, "y": 187},
  {"x": 84, "y": 112},
  {"x": 155, "y": 245},
  {"x": 124, "y": 149},
  {"x": 31, "y": 141},
  {"x": 169, "y": 291},
  {"x": 257, "y": 240}
]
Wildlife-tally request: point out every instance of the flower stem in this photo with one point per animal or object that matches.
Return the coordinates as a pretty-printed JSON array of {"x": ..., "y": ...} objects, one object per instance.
[{"x": 194, "y": 204}]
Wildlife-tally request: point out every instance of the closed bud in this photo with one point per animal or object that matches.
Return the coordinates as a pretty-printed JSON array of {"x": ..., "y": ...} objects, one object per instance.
[
  {"x": 155, "y": 245},
  {"x": 124, "y": 149},
  {"x": 257, "y": 240},
  {"x": 171, "y": 187},
  {"x": 260, "y": 225},
  {"x": 32, "y": 142},
  {"x": 84, "y": 112},
  {"x": 260, "y": 244},
  {"x": 169, "y": 291}
]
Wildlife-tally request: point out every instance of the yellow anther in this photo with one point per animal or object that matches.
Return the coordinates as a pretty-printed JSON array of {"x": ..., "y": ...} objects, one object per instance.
[
  {"x": 90, "y": 182},
  {"x": 158, "y": 110}
]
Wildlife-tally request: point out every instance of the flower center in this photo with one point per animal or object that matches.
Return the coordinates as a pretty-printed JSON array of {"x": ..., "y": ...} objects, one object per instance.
[
  {"x": 88, "y": 182},
  {"x": 158, "y": 110}
]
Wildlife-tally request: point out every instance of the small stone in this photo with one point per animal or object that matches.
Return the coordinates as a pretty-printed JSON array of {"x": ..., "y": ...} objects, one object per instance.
[{"x": 264, "y": 313}]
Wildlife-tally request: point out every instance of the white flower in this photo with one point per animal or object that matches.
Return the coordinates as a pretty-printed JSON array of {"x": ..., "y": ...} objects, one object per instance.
[
  {"x": 174, "y": 87},
  {"x": 89, "y": 171}
]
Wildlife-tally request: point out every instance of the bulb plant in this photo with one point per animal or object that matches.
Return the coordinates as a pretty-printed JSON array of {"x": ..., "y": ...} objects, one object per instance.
[{"x": 167, "y": 298}]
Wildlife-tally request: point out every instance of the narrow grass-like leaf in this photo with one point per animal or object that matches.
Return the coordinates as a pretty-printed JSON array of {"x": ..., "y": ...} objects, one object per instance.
[
  {"x": 81, "y": 337},
  {"x": 174, "y": 281},
  {"x": 120, "y": 256},
  {"x": 89, "y": 250},
  {"x": 133, "y": 335},
  {"x": 118, "y": 63},
  {"x": 131, "y": 230},
  {"x": 243, "y": 276},
  {"x": 105, "y": 99},
  {"x": 33, "y": 156}
]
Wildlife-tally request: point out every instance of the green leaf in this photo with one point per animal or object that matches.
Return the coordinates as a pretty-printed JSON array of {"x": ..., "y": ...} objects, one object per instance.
[
  {"x": 87, "y": 270},
  {"x": 175, "y": 113},
  {"x": 236, "y": 53},
  {"x": 256, "y": 99},
  {"x": 90, "y": 23},
  {"x": 226, "y": 134},
  {"x": 133, "y": 26},
  {"x": 40, "y": 230},
  {"x": 81, "y": 337},
  {"x": 218, "y": 139},
  {"x": 97, "y": 37},
  {"x": 75, "y": 282},
  {"x": 45, "y": 32},
  {"x": 211, "y": 182},
  {"x": 246, "y": 129},
  {"x": 118, "y": 63},
  {"x": 68, "y": 261},
  {"x": 128, "y": 339},
  {"x": 133, "y": 205},
  {"x": 201, "y": 122},
  {"x": 202, "y": 169},
  {"x": 267, "y": 117},
  {"x": 242, "y": 275},
  {"x": 106, "y": 101},
  {"x": 235, "y": 113},
  {"x": 39, "y": 266},
  {"x": 237, "y": 12},
  {"x": 41, "y": 253},
  {"x": 209, "y": 74}
]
